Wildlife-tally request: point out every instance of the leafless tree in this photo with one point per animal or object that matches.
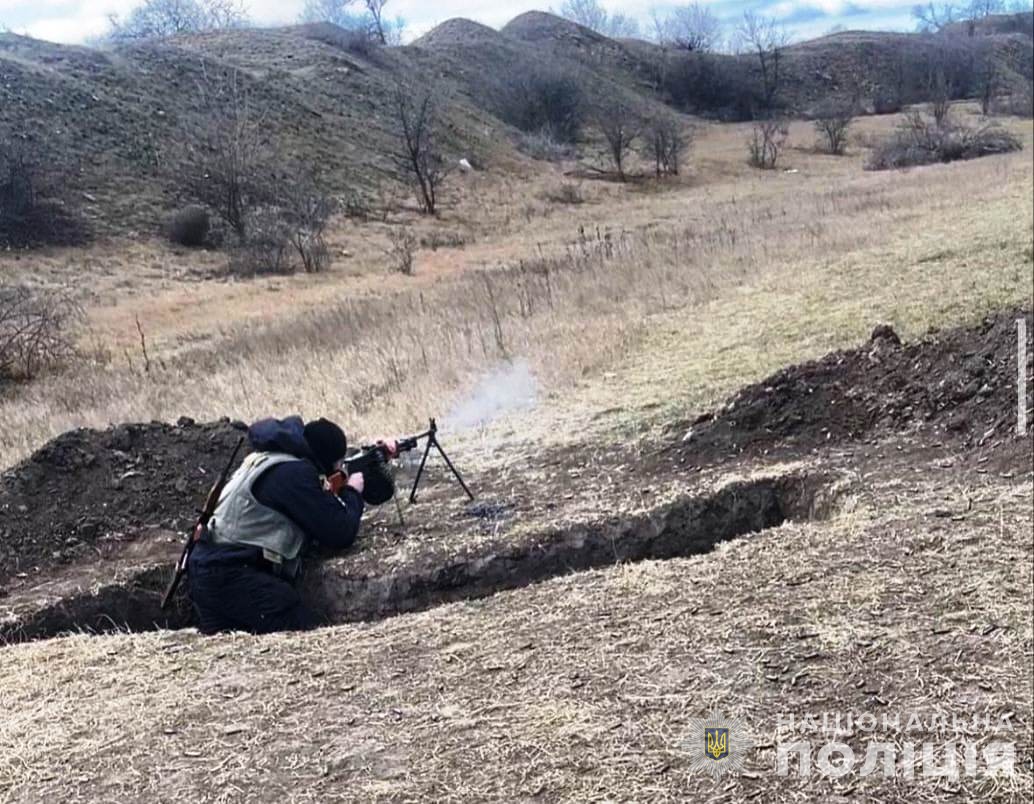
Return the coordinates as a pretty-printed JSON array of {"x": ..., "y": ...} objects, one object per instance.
[
  {"x": 307, "y": 208},
  {"x": 154, "y": 19},
  {"x": 832, "y": 123},
  {"x": 692, "y": 27},
  {"x": 978, "y": 9},
  {"x": 933, "y": 17},
  {"x": 591, "y": 14},
  {"x": 419, "y": 156},
  {"x": 939, "y": 89},
  {"x": 766, "y": 142},
  {"x": 35, "y": 204},
  {"x": 766, "y": 39},
  {"x": 620, "y": 125},
  {"x": 365, "y": 16},
  {"x": 228, "y": 159},
  {"x": 37, "y": 329},
  {"x": 667, "y": 142},
  {"x": 988, "y": 79}
]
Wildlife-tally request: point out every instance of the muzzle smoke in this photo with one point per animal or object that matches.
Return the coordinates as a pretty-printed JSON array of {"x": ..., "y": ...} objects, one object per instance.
[{"x": 507, "y": 389}]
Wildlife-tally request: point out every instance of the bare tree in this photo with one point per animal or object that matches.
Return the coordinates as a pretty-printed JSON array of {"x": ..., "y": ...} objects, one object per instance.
[
  {"x": 419, "y": 156},
  {"x": 155, "y": 19},
  {"x": 766, "y": 39},
  {"x": 832, "y": 123},
  {"x": 37, "y": 330},
  {"x": 978, "y": 9},
  {"x": 307, "y": 207},
  {"x": 766, "y": 142},
  {"x": 988, "y": 80},
  {"x": 667, "y": 143},
  {"x": 939, "y": 90},
  {"x": 228, "y": 158},
  {"x": 36, "y": 206},
  {"x": 933, "y": 17},
  {"x": 620, "y": 125},
  {"x": 690, "y": 27},
  {"x": 591, "y": 14},
  {"x": 337, "y": 12}
]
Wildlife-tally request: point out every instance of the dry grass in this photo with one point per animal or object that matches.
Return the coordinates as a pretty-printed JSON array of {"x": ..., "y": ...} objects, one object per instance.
[
  {"x": 382, "y": 352},
  {"x": 578, "y": 688}
]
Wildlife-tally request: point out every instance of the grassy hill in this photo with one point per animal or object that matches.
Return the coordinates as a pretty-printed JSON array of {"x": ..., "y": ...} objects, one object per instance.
[{"x": 115, "y": 120}]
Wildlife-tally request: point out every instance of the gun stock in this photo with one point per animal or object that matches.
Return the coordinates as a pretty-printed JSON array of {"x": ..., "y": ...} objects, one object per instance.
[{"x": 211, "y": 501}]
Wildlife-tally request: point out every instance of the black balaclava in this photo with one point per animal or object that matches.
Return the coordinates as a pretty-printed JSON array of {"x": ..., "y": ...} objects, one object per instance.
[{"x": 327, "y": 442}]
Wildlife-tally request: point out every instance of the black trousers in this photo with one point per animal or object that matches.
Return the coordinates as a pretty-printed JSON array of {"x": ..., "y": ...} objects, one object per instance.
[{"x": 245, "y": 597}]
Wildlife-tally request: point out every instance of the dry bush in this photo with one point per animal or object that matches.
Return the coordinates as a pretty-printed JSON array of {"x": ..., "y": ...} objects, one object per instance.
[
  {"x": 450, "y": 239},
  {"x": 35, "y": 209},
  {"x": 306, "y": 208},
  {"x": 767, "y": 139},
  {"x": 667, "y": 143},
  {"x": 155, "y": 19},
  {"x": 919, "y": 140},
  {"x": 268, "y": 247},
  {"x": 620, "y": 125},
  {"x": 545, "y": 100},
  {"x": 832, "y": 123},
  {"x": 1018, "y": 102},
  {"x": 418, "y": 155},
  {"x": 401, "y": 250},
  {"x": 190, "y": 227},
  {"x": 228, "y": 163},
  {"x": 565, "y": 193},
  {"x": 541, "y": 145},
  {"x": 37, "y": 330}
]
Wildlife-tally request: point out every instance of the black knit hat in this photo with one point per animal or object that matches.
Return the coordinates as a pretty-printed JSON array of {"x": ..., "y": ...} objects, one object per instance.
[{"x": 327, "y": 442}]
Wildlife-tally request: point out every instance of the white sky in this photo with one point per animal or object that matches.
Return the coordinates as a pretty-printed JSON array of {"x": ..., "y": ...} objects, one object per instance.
[{"x": 77, "y": 20}]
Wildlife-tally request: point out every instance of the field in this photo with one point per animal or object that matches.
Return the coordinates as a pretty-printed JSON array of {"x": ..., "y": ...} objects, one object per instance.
[{"x": 870, "y": 554}]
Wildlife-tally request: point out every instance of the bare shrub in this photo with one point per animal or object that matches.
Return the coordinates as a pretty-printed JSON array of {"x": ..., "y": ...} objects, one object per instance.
[
  {"x": 306, "y": 208},
  {"x": 667, "y": 142},
  {"x": 401, "y": 250},
  {"x": 692, "y": 27},
  {"x": 620, "y": 125},
  {"x": 832, "y": 123},
  {"x": 766, "y": 38},
  {"x": 767, "y": 139},
  {"x": 268, "y": 247},
  {"x": 1019, "y": 101},
  {"x": 37, "y": 330},
  {"x": 190, "y": 227},
  {"x": 541, "y": 145},
  {"x": 565, "y": 193},
  {"x": 228, "y": 161},
  {"x": 155, "y": 19},
  {"x": 919, "y": 140},
  {"x": 436, "y": 240},
  {"x": 419, "y": 156},
  {"x": 545, "y": 99},
  {"x": 34, "y": 205}
]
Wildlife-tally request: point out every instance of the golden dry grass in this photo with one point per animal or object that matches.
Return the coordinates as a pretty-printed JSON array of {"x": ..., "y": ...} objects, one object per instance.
[
  {"x": 579, "y": 688},
  {"x": 836, "y": 247}
]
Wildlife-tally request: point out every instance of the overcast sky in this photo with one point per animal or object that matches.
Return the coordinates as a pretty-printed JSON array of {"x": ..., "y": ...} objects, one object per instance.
[{"x": 78, "y": 20}]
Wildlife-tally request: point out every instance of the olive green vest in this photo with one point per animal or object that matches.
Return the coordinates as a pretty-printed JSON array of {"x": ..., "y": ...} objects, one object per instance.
[{"x": 241, "y": 519}]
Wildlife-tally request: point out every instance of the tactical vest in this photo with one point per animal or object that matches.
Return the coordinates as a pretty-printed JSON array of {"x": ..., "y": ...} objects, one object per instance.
[{"x": 241, "y": 519}]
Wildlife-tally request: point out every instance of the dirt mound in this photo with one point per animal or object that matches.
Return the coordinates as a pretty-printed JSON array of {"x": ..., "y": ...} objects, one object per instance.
[
  {"x": 87, "y": 487},
  {"x": 457, "y": 31},
  {"x": 957, "y": 384}
]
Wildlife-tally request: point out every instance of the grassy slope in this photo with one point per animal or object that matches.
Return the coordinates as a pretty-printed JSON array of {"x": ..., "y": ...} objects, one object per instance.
[{"x": 582, "y": 686}]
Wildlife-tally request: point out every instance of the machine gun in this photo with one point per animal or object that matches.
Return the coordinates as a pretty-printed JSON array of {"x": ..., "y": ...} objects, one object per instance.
[
  {"x": 203, "y": 517},
  {"x": 371, "y": 461}
]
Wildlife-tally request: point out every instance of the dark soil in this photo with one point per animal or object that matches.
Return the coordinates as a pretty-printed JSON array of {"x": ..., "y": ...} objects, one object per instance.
[
  {"x": 88, "y": 486},
  {"x": 957, "y": 385}
]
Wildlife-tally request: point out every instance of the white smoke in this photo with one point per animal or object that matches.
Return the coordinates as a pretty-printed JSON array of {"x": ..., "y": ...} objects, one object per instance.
[{"x": 507, "y": 389}]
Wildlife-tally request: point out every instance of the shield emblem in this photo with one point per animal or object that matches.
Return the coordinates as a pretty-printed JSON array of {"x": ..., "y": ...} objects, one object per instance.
[{"x": 717, "y": 743}]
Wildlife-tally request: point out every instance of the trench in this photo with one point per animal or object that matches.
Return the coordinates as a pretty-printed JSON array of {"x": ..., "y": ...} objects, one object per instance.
[{"x": 691, "y": 525}]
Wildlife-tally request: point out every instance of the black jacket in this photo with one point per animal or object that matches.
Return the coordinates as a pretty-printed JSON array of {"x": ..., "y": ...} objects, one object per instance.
[{"x": 295, "y": 490}]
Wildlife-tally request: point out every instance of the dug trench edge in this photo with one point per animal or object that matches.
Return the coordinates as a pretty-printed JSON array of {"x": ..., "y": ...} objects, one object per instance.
[{"x": 690, "y": 525}]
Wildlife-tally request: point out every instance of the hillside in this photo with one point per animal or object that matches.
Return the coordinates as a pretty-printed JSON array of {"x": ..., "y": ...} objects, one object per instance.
[{"x": 115, "y": 120}]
